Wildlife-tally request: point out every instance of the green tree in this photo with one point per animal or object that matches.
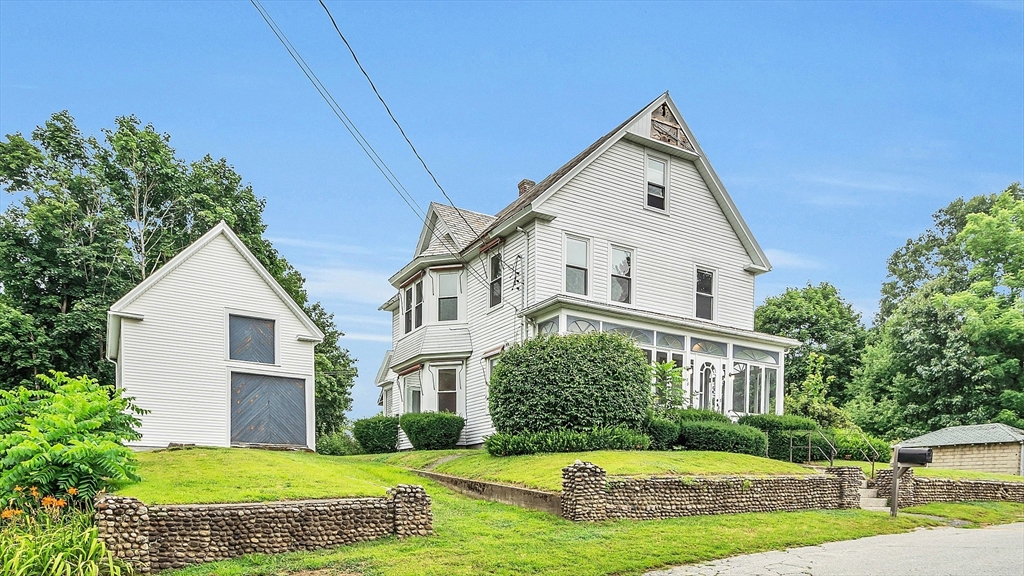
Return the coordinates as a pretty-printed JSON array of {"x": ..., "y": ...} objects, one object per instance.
[
  {"x": 950, "y": 353},
  {"x": 668, "y": 388},
  {"x": 827, "y": 325},
  {"x": 809, "y": 397},
  {"x": 96, "y": 218}
]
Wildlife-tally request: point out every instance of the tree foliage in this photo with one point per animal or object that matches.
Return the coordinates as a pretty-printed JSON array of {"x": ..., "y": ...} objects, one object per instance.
[
  {"x": 951, "y": 351},
  {"x": 829, "y": 328},
  {"x": 97, "y": 216}
]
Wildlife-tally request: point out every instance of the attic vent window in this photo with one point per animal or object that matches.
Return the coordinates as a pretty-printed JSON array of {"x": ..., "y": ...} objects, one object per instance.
[{"x": 665, "y": 128}]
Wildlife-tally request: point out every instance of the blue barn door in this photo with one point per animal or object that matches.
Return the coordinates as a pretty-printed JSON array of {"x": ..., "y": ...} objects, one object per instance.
[{"x": 267, "y": 409}]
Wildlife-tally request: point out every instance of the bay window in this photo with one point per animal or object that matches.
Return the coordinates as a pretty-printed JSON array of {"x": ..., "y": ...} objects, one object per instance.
[{"x": 447, "y": 296}]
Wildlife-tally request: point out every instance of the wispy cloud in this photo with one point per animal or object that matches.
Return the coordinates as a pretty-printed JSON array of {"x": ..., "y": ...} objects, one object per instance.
[
  {"x": 854, "y": 182},
  {"x": 784, "y": 259},
  {"x": 347, "y": 284},
  {"x": 365, "y": 337}
]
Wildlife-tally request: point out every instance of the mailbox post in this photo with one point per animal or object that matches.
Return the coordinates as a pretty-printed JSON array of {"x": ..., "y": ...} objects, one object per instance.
[{"x": 902, "y": 459}]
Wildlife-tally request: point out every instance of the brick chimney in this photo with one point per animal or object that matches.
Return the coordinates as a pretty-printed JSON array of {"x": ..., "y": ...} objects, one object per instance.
[{"x": 525, "y": 186}]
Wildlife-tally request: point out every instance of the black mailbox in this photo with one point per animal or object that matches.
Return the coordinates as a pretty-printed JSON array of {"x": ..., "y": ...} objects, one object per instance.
[{"x": 914, "y": 456}]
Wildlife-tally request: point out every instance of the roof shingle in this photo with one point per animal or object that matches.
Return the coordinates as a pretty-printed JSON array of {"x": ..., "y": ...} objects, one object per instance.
[{"x": 972, "y": 434}]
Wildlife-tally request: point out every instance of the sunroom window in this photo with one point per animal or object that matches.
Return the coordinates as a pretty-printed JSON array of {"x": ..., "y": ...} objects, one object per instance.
[
  {"x": 622, "y": 275},
  {"x": 656, "y": 169},
  {"x": 577, "y": 259}
]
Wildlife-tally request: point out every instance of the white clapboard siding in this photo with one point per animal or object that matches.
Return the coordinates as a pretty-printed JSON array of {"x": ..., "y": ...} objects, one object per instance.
[
  {"x": 605, "y": 203},
  {"x": 175, "y": 361}
]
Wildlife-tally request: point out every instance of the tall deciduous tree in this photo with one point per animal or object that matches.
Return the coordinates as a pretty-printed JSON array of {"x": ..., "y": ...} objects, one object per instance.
[
  {"x": 96, "y": 218},
  {"x": 827, "y": 325}
]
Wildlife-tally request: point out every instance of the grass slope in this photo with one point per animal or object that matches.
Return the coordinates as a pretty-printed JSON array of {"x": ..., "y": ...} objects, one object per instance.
[
  {"x": 544, "y": 471},
  {"x": 983, "y": 513},
  {"x": 212, "y": 475}
]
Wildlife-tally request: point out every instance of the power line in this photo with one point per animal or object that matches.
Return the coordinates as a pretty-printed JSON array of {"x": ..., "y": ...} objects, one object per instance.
[
  {"x": 361, "y": 140},
  {"x": 395, "y": 120}
]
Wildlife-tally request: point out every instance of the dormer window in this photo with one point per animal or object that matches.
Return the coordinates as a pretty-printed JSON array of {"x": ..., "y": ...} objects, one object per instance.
[
  {"x": 656, "y": 182},
  {"x": 447, "y": 296}
]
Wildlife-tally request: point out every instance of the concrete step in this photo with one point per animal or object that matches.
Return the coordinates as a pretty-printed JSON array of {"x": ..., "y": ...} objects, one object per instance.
[
  {"x": 867, "y": 503},
  {"x": 868, "y": 493},
  {"x": 875, "y": 508},
  {"x": 864, "y": 483}
]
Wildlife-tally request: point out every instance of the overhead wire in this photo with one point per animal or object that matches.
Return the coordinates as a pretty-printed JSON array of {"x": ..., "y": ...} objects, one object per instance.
[
  {"x": 361, "y": 140},
  {"x": 395, "y": 120}
]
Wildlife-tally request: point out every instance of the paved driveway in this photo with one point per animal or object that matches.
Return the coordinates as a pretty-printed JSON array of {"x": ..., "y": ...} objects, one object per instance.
[{"x": 995, "y": 551}]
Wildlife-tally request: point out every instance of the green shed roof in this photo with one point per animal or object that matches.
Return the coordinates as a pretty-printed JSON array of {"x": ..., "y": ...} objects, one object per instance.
[{"x": 973, "y": 434}]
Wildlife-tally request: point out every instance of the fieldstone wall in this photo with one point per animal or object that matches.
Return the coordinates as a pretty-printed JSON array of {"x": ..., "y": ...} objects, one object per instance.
[
  {"x": 159, "y": 537},
  {"x": 918, "y": 490},
  {"x": 588, "y": 496}
]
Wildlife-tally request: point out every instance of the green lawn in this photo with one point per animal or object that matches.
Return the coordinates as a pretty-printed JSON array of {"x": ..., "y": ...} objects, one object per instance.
[
  {"x": 544, "y": 471},
  {"x": 983, "y": 513},
  {"x": 932, "y": 472},
  {"x": 208, "y": 475}
]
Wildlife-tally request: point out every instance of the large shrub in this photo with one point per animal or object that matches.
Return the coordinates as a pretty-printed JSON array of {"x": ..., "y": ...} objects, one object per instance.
[
  {"x": 432, "y": 430},
  {"x": 781, "y": 430},
  {"x": 699, "y": 415},
  {"x": 566, "y": 441},
  {"x": 855, "y": 445},
  {"x": 721, "y": 437},
  {"x": 67, "y": 436},
  {"x": 377, "y": 434},
  {"x": 663, "y": 432},
  {"x": 574, "y": 382},
  {"x": 340, "y": 443}
]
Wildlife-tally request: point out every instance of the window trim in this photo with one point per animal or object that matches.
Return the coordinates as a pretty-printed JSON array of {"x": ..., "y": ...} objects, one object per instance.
[
  {"x": 491, "y": 279},
  {"x": 632, "y": 274},
  {"x": 588, "y": 279},
  {"x": 648, "y": 153},
  {"x": 228, "y": 313},
  {"x": 714, "y": 291},
  {"x": 459, "y": 368}
]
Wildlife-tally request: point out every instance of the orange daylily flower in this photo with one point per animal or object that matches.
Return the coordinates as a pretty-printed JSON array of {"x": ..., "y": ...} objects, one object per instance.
[
  {"x": 34, "y": 491},
  {"x": 72, "y": 490},
  {"x": 9, "y": 513}
]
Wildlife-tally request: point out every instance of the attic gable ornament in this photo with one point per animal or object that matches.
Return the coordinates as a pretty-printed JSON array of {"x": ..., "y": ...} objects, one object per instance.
[{"x": 665, "y": 128}]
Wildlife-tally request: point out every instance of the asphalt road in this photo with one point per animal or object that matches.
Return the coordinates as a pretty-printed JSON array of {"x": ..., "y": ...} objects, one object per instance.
[{"x": 994, "y": 551}]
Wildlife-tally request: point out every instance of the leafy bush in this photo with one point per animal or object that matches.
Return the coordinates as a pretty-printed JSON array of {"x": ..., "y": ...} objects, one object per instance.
[
  {"x": 575, "y": 382},
  {"x": 566, "y": 441},
  {"x": 432, "y": 430},
  {"x": 698, "y": 415},
  {"x": 779, "y": 430},
  {"x": 721, "y": 437},
  {"x": 377, "y": 434},
  {"x": 851, "y": 445},
  {"x": 663, "y": 432},
  {"x": 68, "y": 435},
  {"x": 340, "y": 443},
  {"x": 52, "y": 540}
]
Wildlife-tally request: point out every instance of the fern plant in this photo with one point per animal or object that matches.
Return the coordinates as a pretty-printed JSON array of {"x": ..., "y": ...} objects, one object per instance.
[{"x": 70, "y": 435}]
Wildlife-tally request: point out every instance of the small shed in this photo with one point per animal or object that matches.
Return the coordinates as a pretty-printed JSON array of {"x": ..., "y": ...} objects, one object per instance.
[
  {"x": 216, "y": 350},
  {"x": 982, "y": 447}
]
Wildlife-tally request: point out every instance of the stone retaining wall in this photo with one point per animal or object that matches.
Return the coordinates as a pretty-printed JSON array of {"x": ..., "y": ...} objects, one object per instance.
[
  {"x": 918, "y": 490},
  {"x": 516, "y": 496},
  {"x": 158, "y": 537},
  {"x": 587, "y": 495}
]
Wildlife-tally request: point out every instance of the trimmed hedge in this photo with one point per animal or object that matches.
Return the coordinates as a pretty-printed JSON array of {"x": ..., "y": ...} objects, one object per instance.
[
  {"x": 780, "y": 428},
  {"x": 721, "y": 437},
  {"x": 698, "y": 415},
  {"x": 574, "y": 382},
  {"x": 663, "y": 433},
  {"x": 377, "y": 434},
  {"x": 432, "y": 430},
  {"x": 566, "y": 441}
]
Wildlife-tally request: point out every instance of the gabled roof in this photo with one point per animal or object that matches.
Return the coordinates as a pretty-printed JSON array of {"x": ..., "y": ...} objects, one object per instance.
[
  {"x": 453, "y": 229},
  {"x": 385, "y": 369},
  {"x": 546, "y": 187},
  {"x": 972, "y": 434},
  {"x": 118, "y": 309}
]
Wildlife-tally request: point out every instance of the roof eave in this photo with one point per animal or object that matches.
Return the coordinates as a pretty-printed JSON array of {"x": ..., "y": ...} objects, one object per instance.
[{"x": 420, "y": 263}]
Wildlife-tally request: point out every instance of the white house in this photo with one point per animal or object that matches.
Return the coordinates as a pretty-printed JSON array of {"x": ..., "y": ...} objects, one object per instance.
[
  {"x": 636, "y": 234},
  {"x": 216, "y": 350}
]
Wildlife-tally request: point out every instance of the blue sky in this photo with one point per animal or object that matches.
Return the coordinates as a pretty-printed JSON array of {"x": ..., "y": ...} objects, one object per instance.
[{"x": 838, "y": 128}]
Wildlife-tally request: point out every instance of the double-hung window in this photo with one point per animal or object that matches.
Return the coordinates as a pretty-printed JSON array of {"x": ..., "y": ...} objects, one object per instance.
[
  {"x": 577, "y": 257},
  {"x": 447, "y": 296},
  {"x": 408, "y": 309},
  {"x": 447, "y": 391},
  {"x": 622, "y": 275},
  {"x": 656, "y": 180},
  {"x": 495, "y": 297},
  {"x": 414, "y": 306},
  {"x": 413, "y": 403},
  {"x": 705, "y": 294}
]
